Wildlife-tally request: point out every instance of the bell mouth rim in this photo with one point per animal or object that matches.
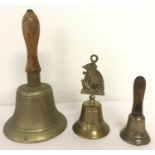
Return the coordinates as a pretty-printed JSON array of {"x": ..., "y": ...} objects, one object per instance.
[
  {"x": 32, "y": 137},
  {"x": 134, "y": 140}
]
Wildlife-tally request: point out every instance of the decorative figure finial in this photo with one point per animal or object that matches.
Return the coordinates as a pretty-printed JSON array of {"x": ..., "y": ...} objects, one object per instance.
[{"x": 93, "y": 82}]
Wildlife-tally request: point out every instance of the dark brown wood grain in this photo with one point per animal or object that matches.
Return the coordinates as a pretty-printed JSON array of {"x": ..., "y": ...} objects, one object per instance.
[
  {"x": 138, "y": 92},
  {"x": 31, "y": 32}
]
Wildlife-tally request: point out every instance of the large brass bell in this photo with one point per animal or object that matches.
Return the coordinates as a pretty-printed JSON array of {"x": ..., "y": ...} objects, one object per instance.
[
  {"x": 135, "y": 132},
  {"x": 91, "y": 124},
  {"x": 35, "y": 117}
]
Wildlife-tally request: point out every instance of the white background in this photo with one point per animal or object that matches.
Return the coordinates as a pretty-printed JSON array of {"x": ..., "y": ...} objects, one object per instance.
[
  {"x": 121, "y": 33},
  {"x": 123, "y": 36}
]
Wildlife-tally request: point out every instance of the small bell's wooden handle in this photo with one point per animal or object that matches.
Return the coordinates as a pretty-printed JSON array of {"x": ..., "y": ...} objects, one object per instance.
[
  {"x": 138, "y": 92},
  {"x": 31, "y": 31}
]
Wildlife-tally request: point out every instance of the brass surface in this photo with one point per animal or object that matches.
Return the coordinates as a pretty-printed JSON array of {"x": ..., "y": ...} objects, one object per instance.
[
  {"x": 91, "y": 124},
  {"x": 135, "y": 132},
  {"x": 36, "y": 117}
]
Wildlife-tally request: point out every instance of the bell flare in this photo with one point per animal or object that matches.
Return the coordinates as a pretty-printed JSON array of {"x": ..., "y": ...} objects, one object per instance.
[
  {"x": 135, "y": 132},
  {"x": 35, "y": 118},
  {"x": 91, "y": 124}
]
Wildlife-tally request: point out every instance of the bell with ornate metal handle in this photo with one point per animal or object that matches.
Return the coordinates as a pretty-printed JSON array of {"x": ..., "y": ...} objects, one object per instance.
[
  {"x": 91, "y": 124},
  {"x": 35, "y": 117},
  {"x": 135, "y": 132}
]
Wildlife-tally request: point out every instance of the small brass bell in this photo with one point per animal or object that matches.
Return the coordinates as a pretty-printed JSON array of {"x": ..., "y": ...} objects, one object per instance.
[
  {"x": 35, "y": 117},
  {"x": 135, "y": 132},
  {"x": 91, "y": 124}
]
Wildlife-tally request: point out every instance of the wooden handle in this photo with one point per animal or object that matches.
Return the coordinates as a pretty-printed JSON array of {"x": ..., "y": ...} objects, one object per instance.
[
  {"x": 139, "y": 91},
  {"x": 31, "y": 31}
]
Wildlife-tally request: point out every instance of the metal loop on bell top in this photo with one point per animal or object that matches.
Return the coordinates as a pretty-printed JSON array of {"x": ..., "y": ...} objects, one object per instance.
[{"x": 94, "y": 58}]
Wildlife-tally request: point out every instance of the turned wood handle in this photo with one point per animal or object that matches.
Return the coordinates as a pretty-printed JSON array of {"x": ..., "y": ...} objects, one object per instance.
[
  {"x": 31, "y": 31},
  {"x": 138, "y": 92}
]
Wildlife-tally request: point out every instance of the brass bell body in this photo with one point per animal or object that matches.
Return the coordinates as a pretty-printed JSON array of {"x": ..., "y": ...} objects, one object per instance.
[
  {"x": 135, "y": 132},
  {"x": 91, "y": 124},
  {"x": 35, "y": 118}
]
